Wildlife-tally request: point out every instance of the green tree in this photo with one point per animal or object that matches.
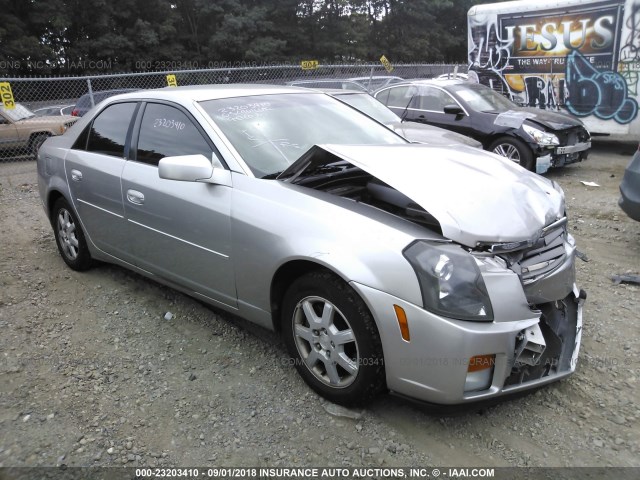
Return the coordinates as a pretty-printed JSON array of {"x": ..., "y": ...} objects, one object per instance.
[{"x": 21, "y": 47}]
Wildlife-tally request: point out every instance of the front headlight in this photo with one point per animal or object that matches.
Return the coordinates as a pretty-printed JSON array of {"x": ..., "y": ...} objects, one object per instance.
[
  {"x": 450, "y": 281},
  {"x": 540, "y": 136}
]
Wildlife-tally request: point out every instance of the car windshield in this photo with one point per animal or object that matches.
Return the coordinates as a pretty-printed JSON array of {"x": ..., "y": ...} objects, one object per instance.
[
  {"x": 483, "y": 99},
  {"x": 369, "y": 105},
  {"x": 273, "y": 131},
  {"x": 19, "y": 113}
]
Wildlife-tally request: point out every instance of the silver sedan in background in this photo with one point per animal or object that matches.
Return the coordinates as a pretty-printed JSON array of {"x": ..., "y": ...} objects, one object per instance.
[
  {"x": 413, "y": 131},
  {"x": 438, "y": 274}
]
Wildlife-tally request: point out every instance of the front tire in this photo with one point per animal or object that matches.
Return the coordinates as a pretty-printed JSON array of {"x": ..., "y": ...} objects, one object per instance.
[
  {"x": 514, "y": 150},
  {"x": 36, "y": 143},
  {"x": 330, "y": 333},
  {"x": 70, "y": 237}
]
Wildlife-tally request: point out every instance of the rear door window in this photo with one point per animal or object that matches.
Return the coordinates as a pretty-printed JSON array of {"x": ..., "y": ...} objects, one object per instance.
[
  {"x": 402, "y": 97},
  {"x": 108, "y": 133},
  {"x": 434, "y": 99}
]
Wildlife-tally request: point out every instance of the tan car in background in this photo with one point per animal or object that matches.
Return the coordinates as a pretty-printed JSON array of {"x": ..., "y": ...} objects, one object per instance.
[{"x": 22, "y": 132}]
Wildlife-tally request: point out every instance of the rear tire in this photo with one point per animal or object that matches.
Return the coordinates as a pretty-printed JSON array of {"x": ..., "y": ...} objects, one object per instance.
[
  {"x": 515, "y": 150},
  {"x": 330, "y": 333},
  {"x": 70, "y": 237}
]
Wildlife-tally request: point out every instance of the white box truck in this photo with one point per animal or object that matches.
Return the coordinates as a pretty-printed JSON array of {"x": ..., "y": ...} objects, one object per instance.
[{"x": 581, "y": 57}]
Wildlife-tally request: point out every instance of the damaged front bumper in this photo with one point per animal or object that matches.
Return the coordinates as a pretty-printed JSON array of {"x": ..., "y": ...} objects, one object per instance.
[
  {"x": 533, "y": 340},
  {"x": 560, "y": 156}
]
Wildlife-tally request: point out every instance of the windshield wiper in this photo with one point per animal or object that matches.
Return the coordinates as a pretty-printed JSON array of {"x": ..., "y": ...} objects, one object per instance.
[
  {"x": 271, "y": 176},
  {"x": 311, "y": 170}
]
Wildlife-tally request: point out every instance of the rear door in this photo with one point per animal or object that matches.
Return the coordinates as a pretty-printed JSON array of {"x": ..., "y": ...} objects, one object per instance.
[
  {"x": 178, "y": 230},
  {"x": 93, "y": 168}
]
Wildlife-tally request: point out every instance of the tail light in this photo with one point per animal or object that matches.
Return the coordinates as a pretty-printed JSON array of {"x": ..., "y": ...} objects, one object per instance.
[{"x": 74, "y": 113}]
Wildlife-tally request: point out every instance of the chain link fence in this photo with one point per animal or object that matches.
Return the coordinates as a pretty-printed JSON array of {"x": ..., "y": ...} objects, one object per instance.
[{"x": 47, "y": 106}]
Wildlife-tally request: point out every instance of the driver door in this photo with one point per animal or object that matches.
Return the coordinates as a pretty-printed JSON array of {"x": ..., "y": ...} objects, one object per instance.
[{"x": 177, "y": 230}]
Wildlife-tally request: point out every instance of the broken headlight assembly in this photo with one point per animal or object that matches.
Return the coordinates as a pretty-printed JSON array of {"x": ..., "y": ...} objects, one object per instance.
[
  {"x": 450, "y": 281},
  {"x": 540, "y": 136}
]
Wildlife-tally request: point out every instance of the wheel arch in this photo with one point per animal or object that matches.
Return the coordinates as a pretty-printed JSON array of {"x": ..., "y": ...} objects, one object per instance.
[
  {"x": 52, "y": 197},
  {"x": 491, "y": 139},
  {"x": 284, "y": 276},
  {"x": 34, "y": 135},
  {"x": 527, "y": 153}
]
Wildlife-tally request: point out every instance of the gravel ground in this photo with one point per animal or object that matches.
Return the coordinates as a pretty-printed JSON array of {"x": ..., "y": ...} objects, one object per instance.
[{"x": 92, "y": 374}]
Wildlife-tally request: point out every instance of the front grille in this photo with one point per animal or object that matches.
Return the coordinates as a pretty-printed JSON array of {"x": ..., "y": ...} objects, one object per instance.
[
  {"x": 545, "y": 256},
  {"x": 540, "y": 256}
]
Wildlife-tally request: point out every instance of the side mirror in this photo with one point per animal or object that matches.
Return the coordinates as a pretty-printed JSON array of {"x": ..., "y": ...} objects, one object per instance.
[
  {"x": 453, "y": 109},
  {"x": 193, "y": 168}
]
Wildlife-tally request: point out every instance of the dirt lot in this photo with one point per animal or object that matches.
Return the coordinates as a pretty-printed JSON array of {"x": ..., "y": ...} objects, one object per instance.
[{"x": 91, "y": 373}]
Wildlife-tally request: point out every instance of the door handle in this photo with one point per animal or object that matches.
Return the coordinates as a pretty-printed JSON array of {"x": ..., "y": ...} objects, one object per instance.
[
  {"x": 76, "y": 175},
  {"x": 135, "y": 196}
]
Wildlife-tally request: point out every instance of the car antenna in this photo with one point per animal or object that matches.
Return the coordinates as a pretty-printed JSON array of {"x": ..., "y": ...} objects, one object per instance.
[{"x": 405, "y": 112}]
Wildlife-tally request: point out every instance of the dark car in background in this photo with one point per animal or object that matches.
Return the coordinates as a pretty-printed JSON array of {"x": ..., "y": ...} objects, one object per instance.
[
  {"x": 630, "y": 188},
  {"x": 412, "y": 131},
  {"x": 536, "y": 139},
  {"x": 88, "y": 100}
]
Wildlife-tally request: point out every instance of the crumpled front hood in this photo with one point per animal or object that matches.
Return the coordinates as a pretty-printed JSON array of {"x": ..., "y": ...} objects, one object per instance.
[
  {"x": 476, "y": 196},
  {"x": 552, "y": 120}
]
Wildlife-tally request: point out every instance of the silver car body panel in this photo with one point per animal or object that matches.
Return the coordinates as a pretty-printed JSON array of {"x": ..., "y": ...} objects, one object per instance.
[{"x": 225, "y": 243}]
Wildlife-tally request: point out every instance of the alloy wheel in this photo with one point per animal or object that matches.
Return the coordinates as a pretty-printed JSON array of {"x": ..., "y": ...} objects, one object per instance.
[
  {"x": 67, "y": 234},
  {"x": 326, "y": 342}
]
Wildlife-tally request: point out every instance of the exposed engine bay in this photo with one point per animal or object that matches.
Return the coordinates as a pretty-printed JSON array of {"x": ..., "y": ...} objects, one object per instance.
[{"x": 345, "y": 180}]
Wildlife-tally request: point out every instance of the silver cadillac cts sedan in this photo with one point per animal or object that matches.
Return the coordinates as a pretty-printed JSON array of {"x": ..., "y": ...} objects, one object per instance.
[{"x": 444, "y": 275}]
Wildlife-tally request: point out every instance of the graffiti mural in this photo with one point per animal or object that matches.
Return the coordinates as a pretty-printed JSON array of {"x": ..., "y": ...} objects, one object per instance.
[
  {"x": 629, "y": 65},
  {"x": 592, "y": 92},
  {"x": 583, "y": 58}
]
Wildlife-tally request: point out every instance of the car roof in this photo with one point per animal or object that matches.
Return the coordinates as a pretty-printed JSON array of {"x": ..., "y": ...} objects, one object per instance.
[
  {"x": 62, "y": 105},
  {"x": 344, "y": 82},
  {"x": 338, "y": 91},
  {"x": 438, "y": 81},
  {"x": 200, "y": 93},
  {"x": 376, "y": 77},
  {"x": 427, "y": 81}
]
